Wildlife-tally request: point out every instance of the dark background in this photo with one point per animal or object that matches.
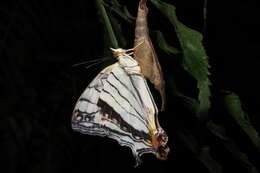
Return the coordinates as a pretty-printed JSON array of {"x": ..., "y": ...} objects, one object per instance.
[{"x": 41, "y": 40}]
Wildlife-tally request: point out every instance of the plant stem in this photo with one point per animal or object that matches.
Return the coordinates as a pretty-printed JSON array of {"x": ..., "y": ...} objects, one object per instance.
[
  {"x": 205, "y": 5},
  {"x": 107, "y": 23}
]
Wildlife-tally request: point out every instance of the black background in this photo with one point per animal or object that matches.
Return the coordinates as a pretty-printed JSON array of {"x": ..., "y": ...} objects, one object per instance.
[{"x": 41, "y": 40}]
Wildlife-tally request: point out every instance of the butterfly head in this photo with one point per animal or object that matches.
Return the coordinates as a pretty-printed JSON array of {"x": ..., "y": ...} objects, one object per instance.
[
  {"x": 124, "y": 58},
  {"x": 118, "y": 52}
]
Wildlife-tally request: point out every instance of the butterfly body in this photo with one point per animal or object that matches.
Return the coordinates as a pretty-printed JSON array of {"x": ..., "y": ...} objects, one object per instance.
[{"x": 118, "y": 104}]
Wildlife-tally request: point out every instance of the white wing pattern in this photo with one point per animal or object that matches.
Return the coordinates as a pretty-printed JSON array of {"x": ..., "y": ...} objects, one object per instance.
[{"x": 118, "y": 104}]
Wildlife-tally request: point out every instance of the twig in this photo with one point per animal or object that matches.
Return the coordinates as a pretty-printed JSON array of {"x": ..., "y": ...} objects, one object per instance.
[
  {"x": 107, "y": 23},
  {"x": 205, "y": 5}
]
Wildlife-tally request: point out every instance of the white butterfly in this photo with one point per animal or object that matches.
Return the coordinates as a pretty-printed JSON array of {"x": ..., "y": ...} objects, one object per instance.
[{"x": 118, "y": 104}]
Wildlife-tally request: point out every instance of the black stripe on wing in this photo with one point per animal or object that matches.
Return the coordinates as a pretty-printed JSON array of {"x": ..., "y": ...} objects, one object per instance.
[
  {"x": 86, "y": 100},
  {"x": 94, "y": 87},
  {"x": 85, "y": 116},
  {"x": 125, "y": 126},
  {"x": 140, "y": 118},
  {"x": 121, "y": 95},
  {"x": 126, "y": 87},
  {"x": 136, "y": 90},
  {"x": 97, "y": 82}
]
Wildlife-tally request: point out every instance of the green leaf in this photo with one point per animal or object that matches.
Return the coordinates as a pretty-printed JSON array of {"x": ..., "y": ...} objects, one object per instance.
[
  {"x": 231, "y": 146},
  {"x": 188, "y": 102},
  {"x": 217, "y": 130},
  {"x": 120, "y": 10},
  {"x": 164, "y": 45},
  {"x": 202, "y": 152},
  {"x": 127, "y": 13},
  {"x": 233, "y": 106},
  {"x": 118, "y": 30},
  {"x": 195, "y": 60}
]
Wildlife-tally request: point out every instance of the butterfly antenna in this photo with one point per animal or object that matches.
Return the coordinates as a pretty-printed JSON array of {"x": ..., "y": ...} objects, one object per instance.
[
  {"x": 93, "y": 64},
  {"x": 132, "y": 49},
  {"x": 99, "y": 60}
]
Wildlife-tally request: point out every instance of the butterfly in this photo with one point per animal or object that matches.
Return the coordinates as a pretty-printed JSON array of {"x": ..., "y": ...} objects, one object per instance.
[{"x": 118, "y": 104}]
